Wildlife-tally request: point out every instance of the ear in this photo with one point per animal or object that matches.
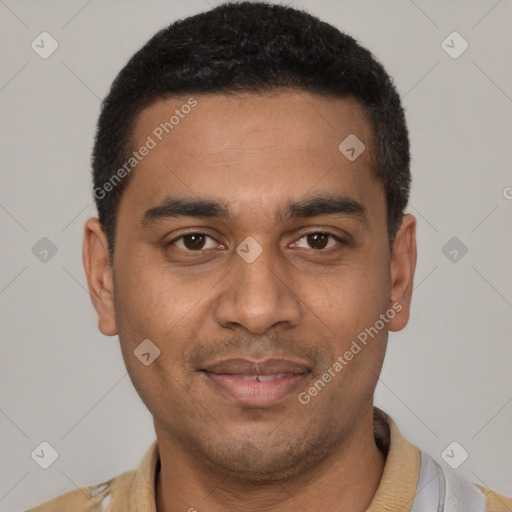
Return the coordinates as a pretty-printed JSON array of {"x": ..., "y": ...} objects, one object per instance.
[
  {"x": 99, "y": 275},
  {"x": 403, "y": 265}
]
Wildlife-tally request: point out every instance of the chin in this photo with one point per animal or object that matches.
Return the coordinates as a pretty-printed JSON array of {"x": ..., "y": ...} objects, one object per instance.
[{"x": 267, "y": 462}]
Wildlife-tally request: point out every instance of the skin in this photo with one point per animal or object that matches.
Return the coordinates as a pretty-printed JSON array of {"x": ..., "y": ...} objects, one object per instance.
[{"x": 296, "y": 300}]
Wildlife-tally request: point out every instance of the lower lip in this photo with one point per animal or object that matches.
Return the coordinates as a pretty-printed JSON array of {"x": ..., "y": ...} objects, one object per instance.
[{"x": 254, "y": 393}]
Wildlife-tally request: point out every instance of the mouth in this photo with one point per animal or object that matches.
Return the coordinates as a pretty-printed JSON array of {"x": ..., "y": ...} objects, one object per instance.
[{"x": 256, "y": 383}]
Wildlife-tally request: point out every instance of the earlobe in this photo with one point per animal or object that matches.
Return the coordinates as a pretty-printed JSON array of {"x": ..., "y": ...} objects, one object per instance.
[
  {"x": 403, "y": 265},
  {"x": 99, "y": 275}
]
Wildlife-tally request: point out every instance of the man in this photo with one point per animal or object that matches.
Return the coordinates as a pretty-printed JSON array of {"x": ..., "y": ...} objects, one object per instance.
[{"x": 251, "y": 171}]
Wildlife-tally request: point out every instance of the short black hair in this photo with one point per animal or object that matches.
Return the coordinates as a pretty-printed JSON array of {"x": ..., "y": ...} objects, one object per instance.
[{"x": 251, "y": 47}]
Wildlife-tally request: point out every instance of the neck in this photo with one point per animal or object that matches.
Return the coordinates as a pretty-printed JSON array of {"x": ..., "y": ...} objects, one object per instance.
[{"x": 350, "y": 475}]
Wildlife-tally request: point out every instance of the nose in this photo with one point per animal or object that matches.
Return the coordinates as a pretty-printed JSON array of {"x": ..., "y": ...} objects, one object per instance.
[{"x": 258, "y": 295}]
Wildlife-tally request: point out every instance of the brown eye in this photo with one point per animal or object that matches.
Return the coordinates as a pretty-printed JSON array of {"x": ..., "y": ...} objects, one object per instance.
[
  {"x": 194, "y": 242},
  {"x": 319, "y": 241}
]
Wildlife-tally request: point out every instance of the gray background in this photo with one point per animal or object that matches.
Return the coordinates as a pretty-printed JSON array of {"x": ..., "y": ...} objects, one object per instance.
[{"x": 447, "y": 375}]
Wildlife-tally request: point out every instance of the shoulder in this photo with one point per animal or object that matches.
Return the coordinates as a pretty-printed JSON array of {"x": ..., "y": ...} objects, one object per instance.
[
  {"x": 123, "y": 491},
  {"x": 495, "y": 502},
  {"x": 449, "y": 489},
  {"x": 426, "y": 483},
  {"x": 88, "y": 499},
  {"x": 455, "y": 492}
]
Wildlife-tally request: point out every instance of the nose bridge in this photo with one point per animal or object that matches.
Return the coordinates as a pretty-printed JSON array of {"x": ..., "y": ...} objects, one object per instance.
[
  {"x": 261, "y": 278},
  {"x": 258, "y": 294}
]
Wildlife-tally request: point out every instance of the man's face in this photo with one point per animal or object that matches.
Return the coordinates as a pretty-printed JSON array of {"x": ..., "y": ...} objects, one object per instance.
[{"x": 288, "y": 288}]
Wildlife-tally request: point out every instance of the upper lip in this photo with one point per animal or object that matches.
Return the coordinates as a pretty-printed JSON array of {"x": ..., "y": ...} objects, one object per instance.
[{"x": 241, "y": 366}]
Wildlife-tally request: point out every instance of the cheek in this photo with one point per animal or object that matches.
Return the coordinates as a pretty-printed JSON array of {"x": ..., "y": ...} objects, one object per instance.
[
  {"x": 153, "y": 303},
  {"x": 352, "y": 298},
  {"x": 149, "y": 299},
  {"x": 149, "y": 306}
]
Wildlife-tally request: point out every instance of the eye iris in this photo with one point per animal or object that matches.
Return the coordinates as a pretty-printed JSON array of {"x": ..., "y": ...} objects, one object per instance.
[
  {"x": 194, "y": 241},
  {"x": 318, "y": 240}
]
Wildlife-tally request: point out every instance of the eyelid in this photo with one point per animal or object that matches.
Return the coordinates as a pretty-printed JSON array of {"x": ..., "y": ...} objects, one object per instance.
[
  {"x": 340, "y": 239},
  {"x": 176, "y": 239}
]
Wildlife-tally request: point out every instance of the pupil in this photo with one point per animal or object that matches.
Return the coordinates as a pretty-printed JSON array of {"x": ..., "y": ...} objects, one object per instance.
[
  {"x": 193, "y": 241},
  {"x": 313, "y": 240}
]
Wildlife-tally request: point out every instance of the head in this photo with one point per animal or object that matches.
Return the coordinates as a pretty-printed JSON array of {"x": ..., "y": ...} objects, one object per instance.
[{"x": 251, "y": 171}]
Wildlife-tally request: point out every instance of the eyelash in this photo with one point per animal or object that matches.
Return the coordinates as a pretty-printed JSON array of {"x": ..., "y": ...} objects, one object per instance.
[{"x": 340, "y": 241}]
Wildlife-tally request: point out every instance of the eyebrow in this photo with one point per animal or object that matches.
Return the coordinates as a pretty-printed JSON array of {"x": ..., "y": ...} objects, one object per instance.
[
  {"x": 340, "y": 205},
  {"x": 184, "y": 207}
]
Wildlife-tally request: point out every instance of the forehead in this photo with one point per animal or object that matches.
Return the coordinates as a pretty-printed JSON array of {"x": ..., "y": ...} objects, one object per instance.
[
  {"x": 251, "y": 150},
  {"x": 280, "y": 120}
]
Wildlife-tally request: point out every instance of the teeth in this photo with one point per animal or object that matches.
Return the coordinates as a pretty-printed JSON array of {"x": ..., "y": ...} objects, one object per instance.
[
  {"x": 266, "y": 378},
  {"x": 260, "y": 378}
]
